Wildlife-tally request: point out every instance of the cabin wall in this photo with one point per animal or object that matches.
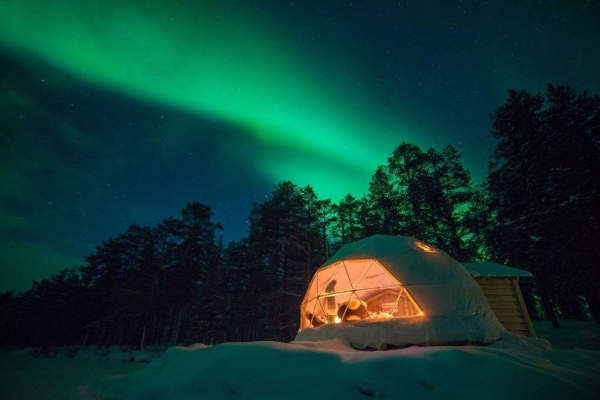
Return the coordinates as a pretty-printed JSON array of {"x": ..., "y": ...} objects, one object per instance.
[{"x": 506, "y": 301}]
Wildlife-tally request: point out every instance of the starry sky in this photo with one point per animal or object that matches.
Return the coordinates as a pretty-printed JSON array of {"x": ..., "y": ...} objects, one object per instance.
[{"x": 119, "y": 112}]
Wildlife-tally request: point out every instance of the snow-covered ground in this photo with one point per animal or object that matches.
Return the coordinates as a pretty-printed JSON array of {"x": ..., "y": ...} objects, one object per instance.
[
  {"x": 510, "y": 368},
  {"x": 24, "y": 377}
]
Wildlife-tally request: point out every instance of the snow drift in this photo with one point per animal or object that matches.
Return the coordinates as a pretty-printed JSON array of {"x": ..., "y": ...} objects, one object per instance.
[
  {"x": 478, "y": 329},
  {"x": 512, "y": 367}
]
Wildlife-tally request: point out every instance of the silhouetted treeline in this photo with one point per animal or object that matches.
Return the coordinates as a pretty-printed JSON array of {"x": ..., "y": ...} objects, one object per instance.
[
  {"x": 178, "y": 283},
  {"x": 543, "y": 195}
]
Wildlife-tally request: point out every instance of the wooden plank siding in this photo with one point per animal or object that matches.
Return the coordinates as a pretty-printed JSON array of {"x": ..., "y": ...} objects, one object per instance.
[
  {"x": 506, "y": 301},
  {"x": 517, "y": 288}
]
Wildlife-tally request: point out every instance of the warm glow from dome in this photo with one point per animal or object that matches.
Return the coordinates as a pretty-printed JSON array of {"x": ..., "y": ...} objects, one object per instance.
[{"x": 424, "y": 247}]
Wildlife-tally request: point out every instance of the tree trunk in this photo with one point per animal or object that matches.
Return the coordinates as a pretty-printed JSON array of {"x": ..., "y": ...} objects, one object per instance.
[
  {"x": 142, "y": 342},
  {"x": 570, "y": 305},
  {"x": 593, "y": 298},
  {"x": 177, "y": 326},
  {"x": 547, "y": 304}
]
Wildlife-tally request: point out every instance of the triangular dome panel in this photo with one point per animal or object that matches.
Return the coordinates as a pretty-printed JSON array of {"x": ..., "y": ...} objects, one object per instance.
[{"x": 353, "y": 290}]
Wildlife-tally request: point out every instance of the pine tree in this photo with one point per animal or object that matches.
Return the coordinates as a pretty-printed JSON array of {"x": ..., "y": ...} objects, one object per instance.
[
  {"x": 346, "y": 223},
  {"x": 285, "y": 238},
  {"x": 544, "y": 179},
  {"x": 383, "y": 205}
]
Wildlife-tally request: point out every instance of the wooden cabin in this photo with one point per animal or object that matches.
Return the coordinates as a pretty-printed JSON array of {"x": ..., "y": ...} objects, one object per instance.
[{"x": 500, "y": 284}]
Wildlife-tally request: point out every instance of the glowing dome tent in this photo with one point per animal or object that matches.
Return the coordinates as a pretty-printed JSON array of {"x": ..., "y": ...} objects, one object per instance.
[
  {"x": 395, "y": 290},
  {"x": 354, "y": 290}
]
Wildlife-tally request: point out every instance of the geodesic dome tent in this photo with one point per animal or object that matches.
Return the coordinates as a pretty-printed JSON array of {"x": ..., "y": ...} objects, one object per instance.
[{"x": 395, "y": 290}]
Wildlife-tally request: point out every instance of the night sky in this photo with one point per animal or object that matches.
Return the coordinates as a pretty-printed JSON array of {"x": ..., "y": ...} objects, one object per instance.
[{"x": 120, "y": 112}]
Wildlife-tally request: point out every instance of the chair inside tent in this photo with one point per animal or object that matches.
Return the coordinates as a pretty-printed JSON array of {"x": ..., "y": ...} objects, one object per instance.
[{"x": 355, "y": 290}]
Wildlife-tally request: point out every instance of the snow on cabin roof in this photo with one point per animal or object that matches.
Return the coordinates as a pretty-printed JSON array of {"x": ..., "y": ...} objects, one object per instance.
[{"x": 490, "y": 269}]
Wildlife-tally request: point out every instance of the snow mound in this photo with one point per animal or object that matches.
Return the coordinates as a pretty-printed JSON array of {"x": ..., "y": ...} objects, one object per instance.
[
  {"x": 92, "y": 353},
  {"x": 116, "y": 353},
  {"x": 483, "y": 328},
  {"x": 510, "y": 368}
]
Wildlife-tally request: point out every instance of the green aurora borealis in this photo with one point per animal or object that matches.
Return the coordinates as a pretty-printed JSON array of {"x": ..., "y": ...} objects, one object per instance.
[
  {"x": 119, "y": 112},
  {"x": 216, "y": 63}
]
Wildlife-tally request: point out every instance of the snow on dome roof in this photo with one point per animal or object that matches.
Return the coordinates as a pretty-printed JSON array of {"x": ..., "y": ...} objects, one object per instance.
[
  {"x": 453, "y": 306},
  {"x": 493, "y": 270}
]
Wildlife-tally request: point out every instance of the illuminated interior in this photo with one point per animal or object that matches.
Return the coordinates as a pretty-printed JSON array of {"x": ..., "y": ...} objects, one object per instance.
[{"x": 355, "y": 290}]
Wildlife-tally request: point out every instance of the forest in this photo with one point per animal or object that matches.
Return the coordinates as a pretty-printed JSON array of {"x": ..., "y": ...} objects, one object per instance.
[{"x": 179, "y": 283}]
